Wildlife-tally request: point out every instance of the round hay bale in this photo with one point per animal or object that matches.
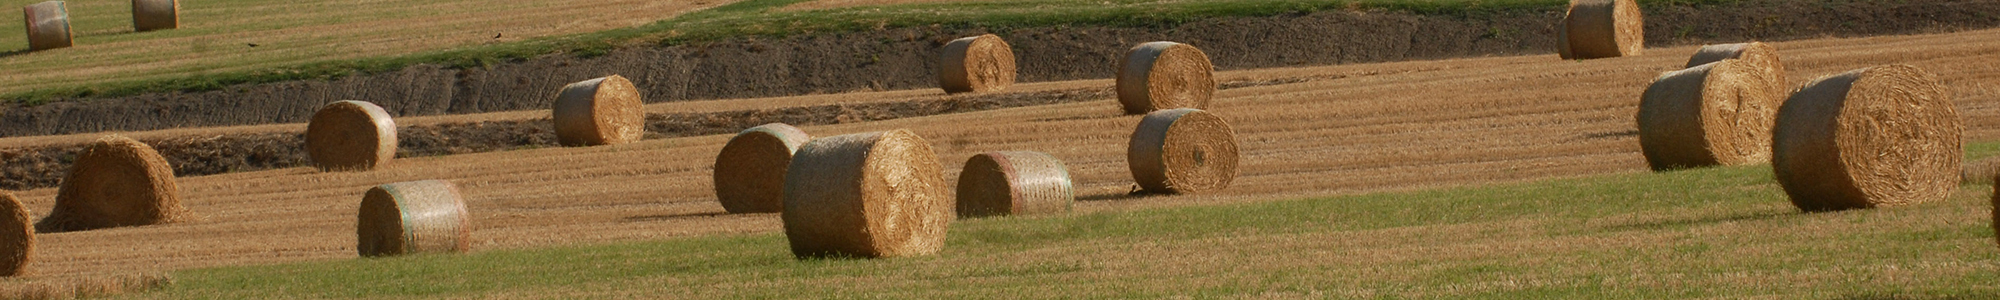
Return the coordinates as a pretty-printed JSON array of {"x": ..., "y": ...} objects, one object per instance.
[
  {"x": 413, "y": 217},
  {"x": 1603, "y": 28},
  {"x": 1761, "y": 55},
  {"x": 981, "y": 64},
  {"x": 17, "y": 236},
  {"x": 150, "y": 15},
  {"x": 1879, "y": 136},
  {"x": 1714, "y": 114},
  {"x": 48, "y": 26},
  {"x": 351, "y": 136},
  {"x": 601, "y": 111},
  {"x": 1182, "y": 151},
  {"x": 115, "y": 182},
  {"x": 1980, "y": 171},
  {"x": 1165, "y": 75},
  {"x": 1014, "y": 183},
  {"x": 750, "y": 172},
  {"x": 877, "y": 194}
]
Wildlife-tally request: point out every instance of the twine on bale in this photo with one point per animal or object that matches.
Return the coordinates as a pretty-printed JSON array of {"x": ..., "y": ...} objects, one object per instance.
[
  {"x": 1714, "y": 114},
  {"x": 48, "y": 26},
  {"x": 750, "y": 171},
  {"x": 869, "y": 195},
  {"x": 601, "y": 111},
  {"x": 351, "y": 136},
  {"x": 115, "y": 182},
  {"x": 150, "y": 15},
  {"x": 413, "y": 217},
  {"x": 982, "y": 63},
  {"x": 1762, "y": 56},
  {"x": 17, "y": 237},
  {"x": 1182, "y": 151},
  {"x": 1014, "y": 183},
  {"x": 1602, "y": 29},
  {"x": 1165, "y": 75},
  {"x": 1879, "y": 136}
]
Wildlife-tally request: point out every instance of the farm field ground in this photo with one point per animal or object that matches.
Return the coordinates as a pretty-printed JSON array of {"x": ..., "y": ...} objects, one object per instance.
[{"x": 1355, "y": 129}]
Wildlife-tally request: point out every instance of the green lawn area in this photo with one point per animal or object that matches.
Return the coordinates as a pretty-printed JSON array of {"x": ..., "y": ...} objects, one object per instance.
[{"x": 1704, "y": 233}]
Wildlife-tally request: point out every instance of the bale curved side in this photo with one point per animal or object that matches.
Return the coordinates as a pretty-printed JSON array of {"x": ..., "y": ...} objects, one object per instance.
[
  {"x": 17, "y": 236},
  {"x": 1165, "y": 75},
  {"x": 982, "y": 63},
  {"x": 1603, "y": 29},
  {"x": 115, "y": 182},
  {"x": 1879, "y": 136},
  {"x": 1713, "y": 114},
  {"x": 1761, "y": 55},
  {"x": 878, "y": 194},
  {"x": 601, "y": 111},
  {"x": 1014, "y": 183},
  {"x": 750, "y": 171},
  {"x": 413, "y": 217},
  {"x": 48, "y": 26},
  {"x": 150, "y": 15},
  {"x": 1183, "y": 151},
  {"x": 351, "y": 136}
]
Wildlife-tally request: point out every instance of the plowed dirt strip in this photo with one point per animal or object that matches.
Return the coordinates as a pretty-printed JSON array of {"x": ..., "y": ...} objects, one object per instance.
[{"x": 1370, "y": 128}]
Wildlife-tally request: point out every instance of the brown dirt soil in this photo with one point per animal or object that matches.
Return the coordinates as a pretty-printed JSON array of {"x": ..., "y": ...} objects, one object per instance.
[
  {"x": 1374, "y": 127},
  {"x": 905, "y": 59}
]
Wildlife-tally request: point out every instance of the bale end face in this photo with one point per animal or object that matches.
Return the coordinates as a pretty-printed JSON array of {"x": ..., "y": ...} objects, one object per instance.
[
  {"x": 48, "y": 25},
  {"x": 601, "y": 111},
  {"x": 17, "y": 236},
  {"x": 351, "y": 136},
  {"x": 870, "y": 195},
  {"x": 1714, "y": 114},
  {"x": 413, "y": 217},
  {"x": 1014, "y": 183},
  {"x": 1165, "y": 75},
  {"x": 115, "y": 182},
  {"x": 1603, "y": 29},
  {"x": 1879, "y": 136},
  {"x": 150, "y": 15},
  {"x": 980, "y": 64},
  {"x": 1183, "y": 151},
  {"x": 750, "y": 171}
]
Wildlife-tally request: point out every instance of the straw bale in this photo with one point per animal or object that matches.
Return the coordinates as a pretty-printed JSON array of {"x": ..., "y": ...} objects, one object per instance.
[
  {"x": 1761, "y": 55},
  {"x": 1603, "y": 29},
  {"x": 1714, "y": 114},
  {"x": 48, "y": 25},
  {"x": 870, "y": 195},
  {"x": 351, "y": 136},
  {"x": 1878, "y": 136},
  {"x": 17, "y": 236},
  {"x": 1014, "y": 183},
  {"x": 750, "y": 171},
  {"x": 115, "y": 182},
  {"x": 982, "y": 63},
  {"x": 1183, "y": 151},
  {"x": 150, "y": 15},
  {"x": 1981, "y": 171},
  {"x": 1165, "y": 75},
  {"x": 413, "y": 217},
  {"x": 601, "y": 111}
]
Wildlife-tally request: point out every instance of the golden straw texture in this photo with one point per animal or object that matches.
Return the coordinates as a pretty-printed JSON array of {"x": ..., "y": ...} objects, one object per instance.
[
  {"x": 602, "y": 111},
  {"x": 982, "y": 63},
  {"x": 48, "y": 25},
  {"x": 1714, "y": 114},
  {"x": 1879, "y": 136},
  {"x": 413, "y": 217},
  {"x": 17, "y": 237},
  {"x": 1165, "y": 75},
  {"x": 115, "y": 182},
  {"x": 870, "y": 195},
  {"x": 1762, "y": 56},
  {"x": 750, "y": 171},
  {"x": 1014, "y": 183},
  {"x": 1603, "y": 28},
  {"x": 351, "y": 136},
  {"x": 150, "y": 15},
  {"x": 1182, "y": 151}
]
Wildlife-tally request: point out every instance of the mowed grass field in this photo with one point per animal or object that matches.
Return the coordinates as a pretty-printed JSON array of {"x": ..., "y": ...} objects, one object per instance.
[
  {"x": 1330, "y": 131},
  {"x": 215, "y": 35},
  {"x": 1708, "y": 233}
]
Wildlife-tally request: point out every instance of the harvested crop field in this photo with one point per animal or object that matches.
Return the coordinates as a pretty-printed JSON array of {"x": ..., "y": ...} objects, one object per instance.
[{"x": 1361, "y": 128}]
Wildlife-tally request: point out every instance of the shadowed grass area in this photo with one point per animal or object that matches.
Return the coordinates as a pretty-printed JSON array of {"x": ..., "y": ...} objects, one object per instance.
[
  {"x": 312, "y": 58},
  {"x": 1714, "y": 232}
]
